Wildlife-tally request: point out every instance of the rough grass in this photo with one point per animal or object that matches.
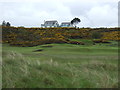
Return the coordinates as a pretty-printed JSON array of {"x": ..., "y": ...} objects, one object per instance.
[
  {"x": 60, "y": 66},
  {"x": 0, "y": 66}
]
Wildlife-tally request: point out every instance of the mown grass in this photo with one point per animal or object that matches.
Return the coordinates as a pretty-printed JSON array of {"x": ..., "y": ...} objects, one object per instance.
[{"x": 60, "y": 66}]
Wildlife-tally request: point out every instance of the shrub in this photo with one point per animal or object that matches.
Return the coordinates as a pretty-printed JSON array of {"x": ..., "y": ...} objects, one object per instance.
[
  {"x": 76, "y": 42},
  {"x": 96, "y": 35},
  {"x": 21, "y": 36},
  {"x": 100, "y": 41},
  {"x": 113, "y": 35}
]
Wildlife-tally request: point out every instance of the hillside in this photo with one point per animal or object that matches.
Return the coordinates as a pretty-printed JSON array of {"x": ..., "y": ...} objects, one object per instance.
[{"x": 21, "y": 36}]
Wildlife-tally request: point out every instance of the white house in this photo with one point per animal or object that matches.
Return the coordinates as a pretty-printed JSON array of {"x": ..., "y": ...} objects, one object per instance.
[
  {"x": 66, "y": 24},
  {"x": 52, "y": 23}
]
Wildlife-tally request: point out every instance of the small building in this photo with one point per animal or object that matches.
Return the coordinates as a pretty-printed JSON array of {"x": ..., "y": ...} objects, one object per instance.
[
  {"x": 66, "y": 24},
  {"x": 52, "y": 23}
]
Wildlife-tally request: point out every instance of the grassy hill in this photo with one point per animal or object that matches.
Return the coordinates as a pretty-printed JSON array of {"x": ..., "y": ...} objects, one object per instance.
[
  {"x": 60, "y": 57},
  {"x": 61, "y": 66}
]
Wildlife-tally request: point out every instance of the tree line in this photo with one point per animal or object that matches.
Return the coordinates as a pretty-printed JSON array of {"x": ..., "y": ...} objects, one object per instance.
[{"x": 6, "y": 23}]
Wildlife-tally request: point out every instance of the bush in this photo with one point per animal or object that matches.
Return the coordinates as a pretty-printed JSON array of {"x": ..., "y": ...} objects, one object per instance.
[
  {"x": 100, "y": 41},
  {"x": 76, "y": 42},
  {"x": 21, "y": 36},
  {"x": 113, "y": 35},
  {"x": 96, "y": 35},
  {"x": 37, "y": 42}
]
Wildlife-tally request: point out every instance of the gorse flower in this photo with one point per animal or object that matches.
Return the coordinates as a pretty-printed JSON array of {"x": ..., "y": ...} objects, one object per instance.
[{"x": 36, "y": 36}]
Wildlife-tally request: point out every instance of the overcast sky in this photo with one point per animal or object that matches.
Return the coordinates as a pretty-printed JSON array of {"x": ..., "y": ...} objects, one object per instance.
[{"x": 32, "y": 13}]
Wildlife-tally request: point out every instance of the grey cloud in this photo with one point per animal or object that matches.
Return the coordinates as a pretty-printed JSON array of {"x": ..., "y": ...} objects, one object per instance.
[
  {"x": 92, "y": 14},
  {"x": 95, "y": 14}
]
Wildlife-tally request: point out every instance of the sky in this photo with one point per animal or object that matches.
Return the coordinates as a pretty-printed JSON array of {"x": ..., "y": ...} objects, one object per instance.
[{"x": 32, "y": 13}]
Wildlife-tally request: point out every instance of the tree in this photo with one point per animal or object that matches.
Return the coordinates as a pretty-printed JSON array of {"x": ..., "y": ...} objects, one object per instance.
[
  {"x": 3, "y": 23},
  {"x": 75, "y": 21},
  {"x": 8, "y": 24}
]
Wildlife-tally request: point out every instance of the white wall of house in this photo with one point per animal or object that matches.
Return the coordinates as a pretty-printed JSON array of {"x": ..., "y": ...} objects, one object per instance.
[
  {"x": 66, "y": 25},
  {"x": 50, "y": 24},
  {"x": 55, "y": 24}
]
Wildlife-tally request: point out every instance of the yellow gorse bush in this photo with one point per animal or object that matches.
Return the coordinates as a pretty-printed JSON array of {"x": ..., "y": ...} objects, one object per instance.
[
  {"x": 114, "y": 35},
  {"x": 36, "y": 36}
]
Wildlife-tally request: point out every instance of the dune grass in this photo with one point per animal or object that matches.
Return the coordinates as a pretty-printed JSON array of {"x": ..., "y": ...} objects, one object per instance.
[{"x": 60, "y": 66}]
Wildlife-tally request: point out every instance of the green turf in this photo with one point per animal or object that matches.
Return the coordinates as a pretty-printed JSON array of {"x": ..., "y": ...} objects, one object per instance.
[{"x": 61, "y": 66}]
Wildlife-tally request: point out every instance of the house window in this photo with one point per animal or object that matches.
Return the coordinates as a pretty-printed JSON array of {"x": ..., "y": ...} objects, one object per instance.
[{"x": 53, "y": 23}]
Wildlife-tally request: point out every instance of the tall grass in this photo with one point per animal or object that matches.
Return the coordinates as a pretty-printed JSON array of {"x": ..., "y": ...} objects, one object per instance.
[
  {"x": 21, "y": 73},
  {"x": 0, "y": 66}
]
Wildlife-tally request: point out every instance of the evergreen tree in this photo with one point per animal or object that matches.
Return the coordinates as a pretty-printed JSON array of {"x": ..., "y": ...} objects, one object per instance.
[
  {"x": 3, "y": 23},
  {"x": 8, "y": 24},
  {"x": 75, "y": 21}
]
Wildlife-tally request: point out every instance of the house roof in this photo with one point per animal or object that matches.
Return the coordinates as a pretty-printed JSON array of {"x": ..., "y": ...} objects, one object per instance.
[
  {"x": 66, "y": 23},
  {"x": 52, "y": 21}
]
